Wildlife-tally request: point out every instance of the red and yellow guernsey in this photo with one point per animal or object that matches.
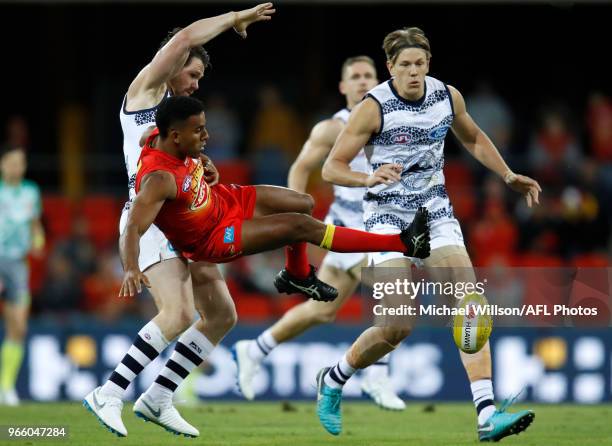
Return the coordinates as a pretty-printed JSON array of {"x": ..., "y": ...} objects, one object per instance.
[{"x": 189, "y": 218}]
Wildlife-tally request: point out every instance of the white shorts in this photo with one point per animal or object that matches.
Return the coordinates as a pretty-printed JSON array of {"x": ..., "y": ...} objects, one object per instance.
[
  {"x": 443, "y": 233},
  {"x": 343, "y": 261},
  {"x": 154, "y": 246}
]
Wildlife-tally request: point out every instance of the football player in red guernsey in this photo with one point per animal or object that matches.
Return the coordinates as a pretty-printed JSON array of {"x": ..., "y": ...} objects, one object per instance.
[{"x": 223, "y": 222}]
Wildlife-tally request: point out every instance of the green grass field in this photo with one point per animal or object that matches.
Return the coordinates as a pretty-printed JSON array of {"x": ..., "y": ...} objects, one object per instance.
[{"x": 295, "y": 424}]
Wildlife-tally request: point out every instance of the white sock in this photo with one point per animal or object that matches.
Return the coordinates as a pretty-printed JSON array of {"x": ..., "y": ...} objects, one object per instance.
[
  {"x": 378, "y": 370},
  {"x": 148, "y": 344},
  {"x": 482, "y": 392},
  {"x": 262, "y": 346},
  {"x": 338, "y": 375},
  {"x": 192, "y": 347}
]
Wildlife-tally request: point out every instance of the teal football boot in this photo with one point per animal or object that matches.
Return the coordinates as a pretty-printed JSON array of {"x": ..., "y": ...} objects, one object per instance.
[
  {"x": 502, "y": 423},
  {"x": 328, "y": 404}
]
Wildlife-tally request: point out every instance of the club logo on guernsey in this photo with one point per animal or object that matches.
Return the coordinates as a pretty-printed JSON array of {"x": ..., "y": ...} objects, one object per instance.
[{"x": 198, "y": 187}]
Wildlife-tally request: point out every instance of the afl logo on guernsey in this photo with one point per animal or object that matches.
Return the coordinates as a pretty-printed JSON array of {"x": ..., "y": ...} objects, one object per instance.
[
  {"x": 439, "y": 133},
  {"x": 402, "y": 138},
  {"x": 187, "y": 183}
]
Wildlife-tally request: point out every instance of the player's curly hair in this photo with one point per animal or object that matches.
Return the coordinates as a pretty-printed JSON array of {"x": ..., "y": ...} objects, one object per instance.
[
  {"x": 176, "y": 109},
  {"x": 398, "y": 40},
  {"x": 197, "y": 51}
]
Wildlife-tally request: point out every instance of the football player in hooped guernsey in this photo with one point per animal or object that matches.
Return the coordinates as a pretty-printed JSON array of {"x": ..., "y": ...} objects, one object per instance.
[
  {"x": 340, "y": 270},
  {"x": 222, "y": 222},
  {"x": 402, "y": 123},
  {"x": 180, "y": 289}
]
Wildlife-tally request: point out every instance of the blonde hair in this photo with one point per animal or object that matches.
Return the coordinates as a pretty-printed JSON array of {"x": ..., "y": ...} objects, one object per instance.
[{"x": 401, "y": 39}]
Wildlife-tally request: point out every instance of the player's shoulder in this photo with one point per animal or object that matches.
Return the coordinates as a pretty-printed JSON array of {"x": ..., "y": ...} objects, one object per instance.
[
  {"x": 381, "y": 92},
  {"x": 156, "y": 178},
  {"x": 140, "y": 96},
  {"x": 327, "y": 129}
]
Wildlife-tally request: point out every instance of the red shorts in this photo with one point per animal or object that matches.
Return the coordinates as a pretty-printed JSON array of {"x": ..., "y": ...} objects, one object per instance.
[{"x": 224, "y": 243}]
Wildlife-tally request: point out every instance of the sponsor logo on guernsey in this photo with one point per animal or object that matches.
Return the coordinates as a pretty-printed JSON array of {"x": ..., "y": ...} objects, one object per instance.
[
  {"x": 439, "y": 132},
  {"x": 228, "y": 236},
  {"x": 187, "y": 183},
  {"x": 402, "y": 138}
]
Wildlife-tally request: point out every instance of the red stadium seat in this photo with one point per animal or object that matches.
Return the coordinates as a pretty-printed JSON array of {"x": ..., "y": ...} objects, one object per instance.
[
  {"x": 535, "y": 260},
  {"x": 284, "y": 304},
  {"x": 58, "y": 212},
  {"x": 253, "y": 307},
  {"x": 458, "y": 175},
  {"x": 591, "y": 260},
  {"x": 102, "y": 214},
  {"x": 463, "y": 200},
  {"x": 352, "y": 310}
]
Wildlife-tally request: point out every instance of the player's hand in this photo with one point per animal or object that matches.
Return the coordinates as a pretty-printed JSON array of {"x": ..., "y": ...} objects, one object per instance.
[
  {"x": 211, "y": 174},
  {"x": 385, "y": 174},
  {"x": 526, "y": 186},
  {"x": 242, "y": 19},
  {"x": 132, "y": 281}
]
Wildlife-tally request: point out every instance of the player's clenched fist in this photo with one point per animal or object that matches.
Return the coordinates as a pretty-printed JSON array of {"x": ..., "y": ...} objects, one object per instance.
[
  {"x": 242, "y": 19},
  {"x": 132, "y": 283}
]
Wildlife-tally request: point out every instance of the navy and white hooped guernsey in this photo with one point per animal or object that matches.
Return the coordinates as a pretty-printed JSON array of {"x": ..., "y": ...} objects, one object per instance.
[{"x": 412, "y": 134}]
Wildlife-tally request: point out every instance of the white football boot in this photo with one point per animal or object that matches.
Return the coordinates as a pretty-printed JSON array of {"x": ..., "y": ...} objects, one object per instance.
[
  {"x": 247, "y": 368},
  {"x": 381, "y": 391},
  {"x": 107, "y": 409},
  {"x": 164, "y": 414}
]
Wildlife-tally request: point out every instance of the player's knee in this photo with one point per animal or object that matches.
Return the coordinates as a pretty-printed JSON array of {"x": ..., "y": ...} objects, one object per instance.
[
  {"x": 298, "y": 227},
  {"x": 307, "y": 203},
  {"x": 228, "y": 319},
  {"x": 395, "y": 335},
  {"x": 222, "y": 321}
]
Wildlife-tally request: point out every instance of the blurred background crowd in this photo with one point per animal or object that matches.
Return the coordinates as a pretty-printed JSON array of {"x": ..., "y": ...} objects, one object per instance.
[{"x": 540, "y": 95}]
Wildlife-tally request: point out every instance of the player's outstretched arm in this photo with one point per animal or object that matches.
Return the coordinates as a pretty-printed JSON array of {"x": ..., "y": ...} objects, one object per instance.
[
  {"x": 156, "y": 188},
  {"x": 172, "y": 57},
  {"x": 482, "y": 148},
  {"x": 316, "y": 148},
  {"x": 363, "y": 122}
]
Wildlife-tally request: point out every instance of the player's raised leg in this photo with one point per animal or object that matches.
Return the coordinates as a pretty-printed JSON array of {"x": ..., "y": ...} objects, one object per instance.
[
  {"x": 298, "y": 274},
  {"x": 273, "y": 231}
]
